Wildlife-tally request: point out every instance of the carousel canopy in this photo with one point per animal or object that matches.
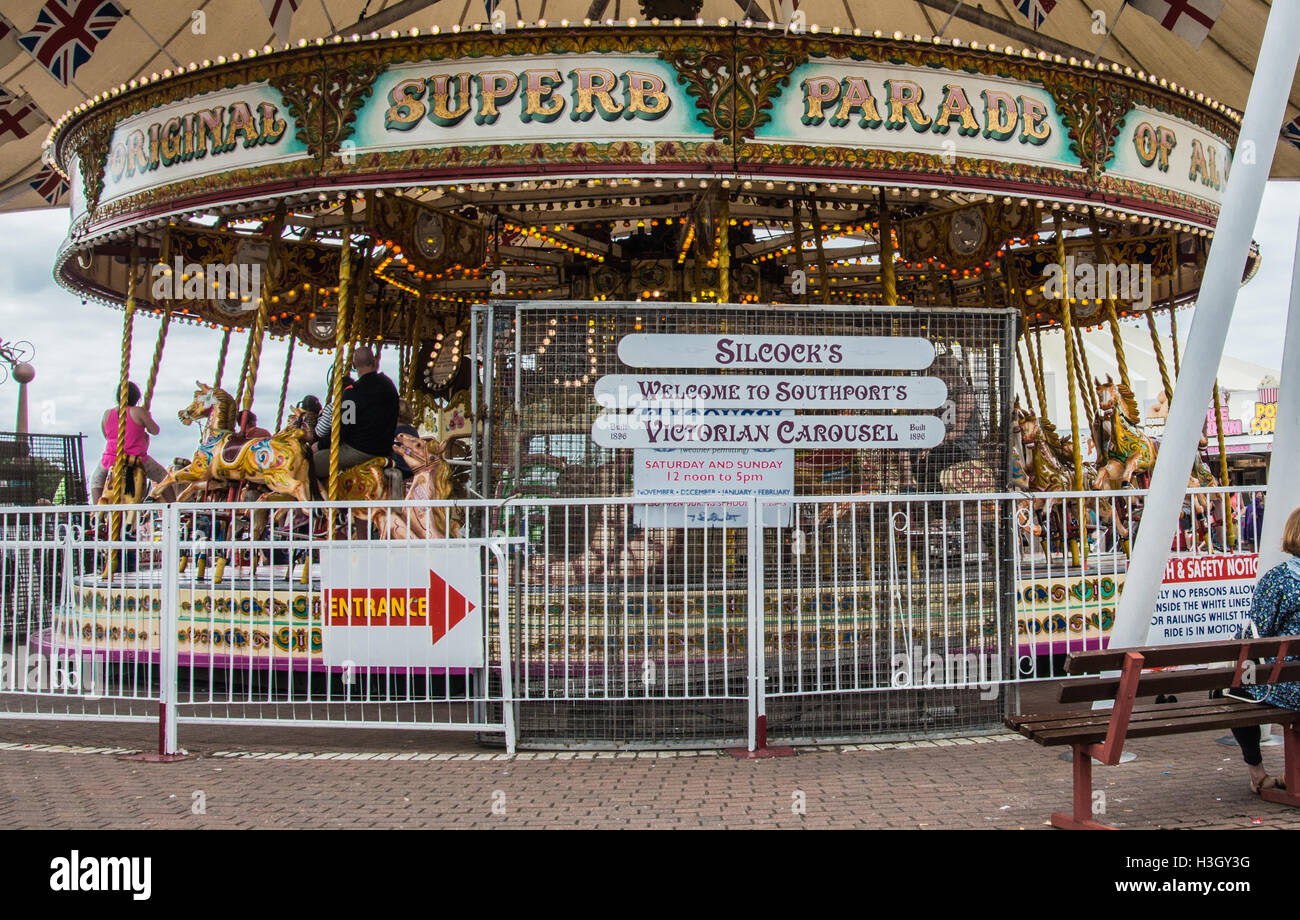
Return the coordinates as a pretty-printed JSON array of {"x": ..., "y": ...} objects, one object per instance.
[{"x": 57, "y": 54}]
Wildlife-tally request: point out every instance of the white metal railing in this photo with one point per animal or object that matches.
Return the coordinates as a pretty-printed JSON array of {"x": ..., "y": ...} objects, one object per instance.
[{"x": 844, "y": 612}]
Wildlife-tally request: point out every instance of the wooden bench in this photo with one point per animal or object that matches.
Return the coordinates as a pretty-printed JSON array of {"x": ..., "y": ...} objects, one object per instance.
[{"x": 1101, "y": 733}]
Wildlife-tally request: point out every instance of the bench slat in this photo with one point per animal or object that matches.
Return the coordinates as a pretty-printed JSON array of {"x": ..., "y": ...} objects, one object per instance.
[
  {"x": 1083, "y": 718},
  {"x": 1166, "y": 656},
  {"x": 1175, "y": 721},
  {"x": 1105, "y": 688}
]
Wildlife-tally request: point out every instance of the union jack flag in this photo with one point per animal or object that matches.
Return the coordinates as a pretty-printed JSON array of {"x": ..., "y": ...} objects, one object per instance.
[
  {"x": 49, "y": 185},
  {"x": 1035, "y": 10},
  {"x": 67, "y": 32},
  {"x": 1291, "y": 131},
  {"x": 280, "y": 12}
]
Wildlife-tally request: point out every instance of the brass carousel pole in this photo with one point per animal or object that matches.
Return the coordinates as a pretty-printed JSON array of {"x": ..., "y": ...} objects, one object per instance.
[
  {"x": 284, "y": 384},
  {"x": 221, "y": 358},
  {"x": 1079, "y": 544},
  {"x": 263, "y": 306},
  {"x": 1024, "y": 381},
  {"x": 1165, "y": 383},
  {"x": 1089, "y": 394},
  {"x": 243, "y": 370},
  {"x": 1223, "y": 467},
  {"x": 724, "y": 248},
  {"x": 340, "y": 341},
  {"x": 1112, "y": 317},
  {"x": 115, "y": 491},
  {"x": 1036, "y": 366},
  {"x": 796, "y": 227},
  {"x": 147, "y": 399},
  {"x": 888, "y": 283},
  {"x": 128, "y": 321},
  {"x": 822, "y": 270}
]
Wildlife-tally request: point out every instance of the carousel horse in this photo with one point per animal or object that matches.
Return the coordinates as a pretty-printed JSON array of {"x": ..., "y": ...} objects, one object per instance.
[
  {"x": 431, "y": 481},
  {"x": 1050, "y": 468},
  {"x": 278, "y": 462},
  {"x": 1126, "y": 447},
  {"x": 431, "y": 478}
]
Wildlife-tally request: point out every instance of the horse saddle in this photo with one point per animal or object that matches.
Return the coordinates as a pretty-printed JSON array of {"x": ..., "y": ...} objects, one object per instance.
[{"x": 235, "y": 443}]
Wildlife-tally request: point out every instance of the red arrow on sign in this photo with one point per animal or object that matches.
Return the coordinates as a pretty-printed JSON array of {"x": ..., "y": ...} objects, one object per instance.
[{"x": 447, "y": 606}]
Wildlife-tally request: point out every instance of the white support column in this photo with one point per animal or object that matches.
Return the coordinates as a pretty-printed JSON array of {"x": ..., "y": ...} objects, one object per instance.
[
  {"x": 1260, "y": 127},
  {"x": 1283, "y": 486}
]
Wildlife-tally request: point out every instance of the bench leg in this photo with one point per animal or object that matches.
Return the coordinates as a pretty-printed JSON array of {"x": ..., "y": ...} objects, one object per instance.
[
  {"x": 1291, "y": 772},
  {"x": 1081, "y": 820}
]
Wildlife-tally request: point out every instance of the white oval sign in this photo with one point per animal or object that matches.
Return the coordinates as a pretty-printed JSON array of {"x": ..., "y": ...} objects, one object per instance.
[
  {"x": 696, "y": 429},
  {"x": 683, "y": 392},
  {"x": 790, "y": 352}
]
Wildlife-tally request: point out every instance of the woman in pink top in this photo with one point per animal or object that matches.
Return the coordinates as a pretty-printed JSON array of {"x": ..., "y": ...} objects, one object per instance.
[{"x": 139, "y": 426}]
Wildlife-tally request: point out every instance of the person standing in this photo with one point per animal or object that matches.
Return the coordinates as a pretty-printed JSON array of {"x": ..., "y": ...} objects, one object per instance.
[
  {"x": 1275, "y": 611},
  {"x": 368, "y": 416}
]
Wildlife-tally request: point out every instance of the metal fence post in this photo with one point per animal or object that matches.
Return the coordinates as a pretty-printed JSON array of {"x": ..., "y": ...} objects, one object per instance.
[
  {"x": 168, "y": 646},
  {"x": 753, "y": 642},
  {"x": 503, "y": 633}
]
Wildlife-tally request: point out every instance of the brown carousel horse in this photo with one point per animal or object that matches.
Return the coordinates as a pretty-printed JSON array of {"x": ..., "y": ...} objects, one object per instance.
[
  {"x": 431, "y": 479},
  {"x": 1049, "y": 467},
  {"x": 1123, "y": 446},
  {"x": 278, "y": 462}
]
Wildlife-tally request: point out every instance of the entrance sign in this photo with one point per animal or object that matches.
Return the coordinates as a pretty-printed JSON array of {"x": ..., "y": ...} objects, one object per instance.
[
  {"x": 1204, "y": 598},
  {"x": 399, "y": 606},
  {"x": 700, "y": 429},
  {"x": 756, "y": 391},
  {"x": 785, "y": 352}
]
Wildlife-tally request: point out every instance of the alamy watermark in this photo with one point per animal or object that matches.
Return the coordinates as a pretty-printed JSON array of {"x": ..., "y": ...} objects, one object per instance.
[
  {"x": 103, "y": 873},
  {"x": 949, "y": 670},
  {"x": 228, "y": 281},
  {"x": 1130, "y": 282}
]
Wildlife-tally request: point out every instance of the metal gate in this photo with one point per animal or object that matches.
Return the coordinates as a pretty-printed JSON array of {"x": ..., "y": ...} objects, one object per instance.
[{"x": 277, "y": 613}]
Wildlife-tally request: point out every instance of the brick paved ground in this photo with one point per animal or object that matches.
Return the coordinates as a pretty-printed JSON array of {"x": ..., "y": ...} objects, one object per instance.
[{"x": 429, "y": 779}]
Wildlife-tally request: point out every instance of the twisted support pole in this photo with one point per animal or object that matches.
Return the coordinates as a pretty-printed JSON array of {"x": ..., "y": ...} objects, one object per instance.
[
  {"x": 1111, "y": 316},
  {"x": 263, "y": 306},
  {"x": 157, "y": 360},
  {"x": 888, "y": 283},
  {"x": 284, "y": 384},
  {"x": 221, "y": 358},
  {"x": 117, "y": 489},
  {"x": 340, "y": 343},
  {"x": 1059, "y": 226}
]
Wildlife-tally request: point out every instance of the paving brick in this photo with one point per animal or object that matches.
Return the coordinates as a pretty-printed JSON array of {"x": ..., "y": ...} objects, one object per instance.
[{"x": 1184, "y": 781}]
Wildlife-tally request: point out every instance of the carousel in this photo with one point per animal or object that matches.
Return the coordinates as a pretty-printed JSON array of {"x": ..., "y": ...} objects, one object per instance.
[{"x": 496, "y": 209}]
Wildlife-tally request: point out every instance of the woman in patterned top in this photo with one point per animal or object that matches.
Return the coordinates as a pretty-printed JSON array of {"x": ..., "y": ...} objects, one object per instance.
[{"x": 1275, "y": 611}]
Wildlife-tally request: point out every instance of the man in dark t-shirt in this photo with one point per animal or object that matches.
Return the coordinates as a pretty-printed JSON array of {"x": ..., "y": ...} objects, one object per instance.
[{"x": 368, "y": 416}]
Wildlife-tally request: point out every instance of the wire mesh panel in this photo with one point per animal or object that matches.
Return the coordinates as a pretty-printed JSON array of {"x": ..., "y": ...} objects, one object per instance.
[
  {"x": 538, "y": 403},
  {"x": 634, "y": 631},
  {"x": 888, "y": 616},
  {"x": 81, "y": 636},
  {"x": 546, "y": 358},
  {"x": 41, "y": 468}
]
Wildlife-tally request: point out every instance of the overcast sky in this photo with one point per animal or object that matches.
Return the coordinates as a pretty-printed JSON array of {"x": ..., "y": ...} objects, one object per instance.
[
  {"x": 78, "y": 347},
  {"x": 78, "y": 350}
]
